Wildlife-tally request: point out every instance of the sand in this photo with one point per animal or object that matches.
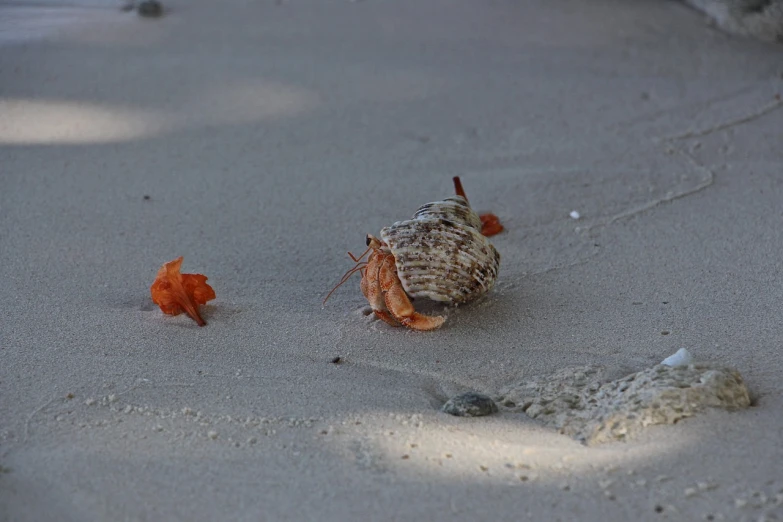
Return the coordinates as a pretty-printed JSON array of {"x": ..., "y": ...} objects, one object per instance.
[{"x": 271, "y": 137}]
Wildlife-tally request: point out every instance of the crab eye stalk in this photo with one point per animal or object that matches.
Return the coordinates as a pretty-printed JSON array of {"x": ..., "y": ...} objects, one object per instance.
[{"x": 369, "y": 239}]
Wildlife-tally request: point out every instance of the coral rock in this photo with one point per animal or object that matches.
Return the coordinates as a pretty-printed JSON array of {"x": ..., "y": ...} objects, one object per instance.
[{"x": 579, "y": 404}]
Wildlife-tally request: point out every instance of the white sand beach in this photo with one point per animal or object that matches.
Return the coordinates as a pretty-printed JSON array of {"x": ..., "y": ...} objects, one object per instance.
[{"x": 263, "y": 140}]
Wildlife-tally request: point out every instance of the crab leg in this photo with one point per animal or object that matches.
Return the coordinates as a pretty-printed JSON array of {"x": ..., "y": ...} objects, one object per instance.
[
  {"x": 398, "y": 303},
  {"x": 372, "y": 290}
]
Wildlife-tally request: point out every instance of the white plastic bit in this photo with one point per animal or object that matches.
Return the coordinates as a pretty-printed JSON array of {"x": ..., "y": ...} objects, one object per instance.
[{"x": 681, "y": 358}]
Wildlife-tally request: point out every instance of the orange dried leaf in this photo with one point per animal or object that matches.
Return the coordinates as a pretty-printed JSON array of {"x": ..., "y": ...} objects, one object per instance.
[
  {"x": 490, "y": 225},
  {"x": 176, "y": 293}
]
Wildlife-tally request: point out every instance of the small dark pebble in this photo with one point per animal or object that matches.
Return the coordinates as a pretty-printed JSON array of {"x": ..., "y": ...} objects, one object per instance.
[
  {"x": 665, "y": 332},
  {"x": 470, "y": 404},
  {"x": 337, "y": 360},
  {"x": 147, "y": 197},
  {"x": 150, "y": 8}
]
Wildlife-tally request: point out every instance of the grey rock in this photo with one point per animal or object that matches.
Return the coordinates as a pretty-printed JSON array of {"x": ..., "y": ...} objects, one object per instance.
[
  {"x": 579, "y": 404},
  {"x": 470, "y": 404},
  {"x": 150, "y": 9}
]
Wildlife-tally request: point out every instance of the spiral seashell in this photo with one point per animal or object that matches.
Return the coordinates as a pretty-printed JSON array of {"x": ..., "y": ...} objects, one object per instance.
[{"x": 441, "y": 253}]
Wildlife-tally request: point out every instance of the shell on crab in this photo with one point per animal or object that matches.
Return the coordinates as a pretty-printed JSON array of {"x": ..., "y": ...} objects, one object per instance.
[{"x": 441, "y": 254}]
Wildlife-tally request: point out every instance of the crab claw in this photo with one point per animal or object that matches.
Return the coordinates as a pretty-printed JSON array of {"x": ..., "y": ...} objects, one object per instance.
[{"x": 399, "y": 304}]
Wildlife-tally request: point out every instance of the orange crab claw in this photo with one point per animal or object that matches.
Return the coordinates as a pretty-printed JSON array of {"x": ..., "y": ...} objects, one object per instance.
[{"x": 398, "y": 303}]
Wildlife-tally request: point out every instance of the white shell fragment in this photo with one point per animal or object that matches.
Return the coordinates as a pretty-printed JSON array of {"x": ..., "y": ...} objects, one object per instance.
[
  {"x": 574, "y": 214},
  {"x": 441, "y": 253},
  {"x": 680, "y": 358}
]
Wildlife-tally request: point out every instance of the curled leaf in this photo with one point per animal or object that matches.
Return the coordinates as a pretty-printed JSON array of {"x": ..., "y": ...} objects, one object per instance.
[{"x": 176, "y": 293}]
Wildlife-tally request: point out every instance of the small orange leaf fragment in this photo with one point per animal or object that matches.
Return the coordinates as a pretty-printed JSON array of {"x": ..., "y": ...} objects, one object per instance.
[
  {"x": 490, "y": 225},
  {"x": 176, "y": 293}
]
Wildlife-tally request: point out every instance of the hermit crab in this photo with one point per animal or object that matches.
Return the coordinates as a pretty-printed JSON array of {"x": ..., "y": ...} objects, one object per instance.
[{"x": 441, "y": 253}]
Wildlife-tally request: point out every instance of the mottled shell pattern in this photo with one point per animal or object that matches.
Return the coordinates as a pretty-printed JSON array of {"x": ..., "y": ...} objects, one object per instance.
[{"x": 441, "y": 253}]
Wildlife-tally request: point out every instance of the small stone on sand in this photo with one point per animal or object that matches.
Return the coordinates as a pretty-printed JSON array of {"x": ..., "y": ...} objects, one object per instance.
[
  {"x": 150, "y": 9},
  {"x": 470, "y": 404}
]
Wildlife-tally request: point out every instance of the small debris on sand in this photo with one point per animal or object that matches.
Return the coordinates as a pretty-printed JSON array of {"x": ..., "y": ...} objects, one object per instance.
[
  {"x": 470, "y": 404},
  {"x": 150, "y": 9},
  {"x": 680, "y": 358}
]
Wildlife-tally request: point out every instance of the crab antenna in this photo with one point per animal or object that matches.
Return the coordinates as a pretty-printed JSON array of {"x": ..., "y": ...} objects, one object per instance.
[
  {"x": 357, "y": 259},
  {"x": 359, "y": 265},
  {"x": 343, "y": 280},
  {"x": 458, "y": 187}
]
